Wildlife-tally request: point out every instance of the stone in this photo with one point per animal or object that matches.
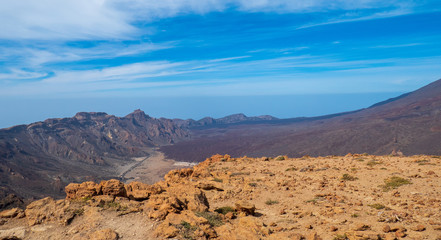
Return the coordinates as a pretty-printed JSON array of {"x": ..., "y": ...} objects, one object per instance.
[
  {"x": 313, "y": 236},
  {"x": 361, "y": 227},
  {"x": 333, "y": 228},
  {"x": 13, "y": 233},
  {"x": 386, "y": 228},
  {"x": 11, "y": 213},
  {"x": 49, "y": 210},
  {"x": 85, "y": 189},
  {"x": 419, "y": 228},
  {"x": 104, "y": 234},
  {"x": 242, "y": 206},
  {"x": 141, "y": 191},
  {"x": 114, "y": 188}
]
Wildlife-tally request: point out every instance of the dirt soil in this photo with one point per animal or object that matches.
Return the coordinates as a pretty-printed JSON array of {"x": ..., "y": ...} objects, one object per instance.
[{"x": 334, "y": 197}]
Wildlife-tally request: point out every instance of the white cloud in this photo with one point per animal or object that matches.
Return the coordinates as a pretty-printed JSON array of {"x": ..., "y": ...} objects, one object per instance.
[
  {"x": 114, "y": 19},
  {"x": 287, "y": 75},
  {"x": 67, "y": 19}
]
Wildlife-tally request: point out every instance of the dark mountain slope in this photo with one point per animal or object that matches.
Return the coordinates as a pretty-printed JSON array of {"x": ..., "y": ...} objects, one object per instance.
[
  {"x": 410, "y": 123},
  {"x": 40, "y": 158}
]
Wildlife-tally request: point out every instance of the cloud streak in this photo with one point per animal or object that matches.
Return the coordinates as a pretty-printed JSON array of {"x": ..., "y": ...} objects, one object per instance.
[
  {"x": 291, "y": 75},
  {"x": 117, "y": 19}
]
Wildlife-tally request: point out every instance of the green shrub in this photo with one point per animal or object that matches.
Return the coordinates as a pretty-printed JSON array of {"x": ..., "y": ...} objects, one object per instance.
[
  {"x": 377, "y": 206},
  {"x": 224, "y": 210},
  {"x": 347, "y": 177},
  {"x": 394, "y": 182},
  {"x": 372, "y": 163},
  {"x": 218, "y": 180},
  {"x": 271, "y": 202},
  {"x": 213, "y": 218}
]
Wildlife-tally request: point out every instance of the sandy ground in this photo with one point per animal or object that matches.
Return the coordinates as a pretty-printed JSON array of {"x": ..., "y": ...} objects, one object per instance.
[{"x": 150, "y": 169}]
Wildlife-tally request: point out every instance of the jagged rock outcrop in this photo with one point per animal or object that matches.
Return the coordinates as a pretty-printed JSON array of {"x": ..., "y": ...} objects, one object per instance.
[{"x": 349, "y": 197}]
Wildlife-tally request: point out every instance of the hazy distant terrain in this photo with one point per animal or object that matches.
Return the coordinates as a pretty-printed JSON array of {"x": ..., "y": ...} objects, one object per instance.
[
  {"x": 41, "y": 158},
  {"x": 409, "y": 123}
]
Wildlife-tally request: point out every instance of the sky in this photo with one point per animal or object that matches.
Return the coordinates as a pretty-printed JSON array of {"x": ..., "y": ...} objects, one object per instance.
[{"x": 192, "y": 58}]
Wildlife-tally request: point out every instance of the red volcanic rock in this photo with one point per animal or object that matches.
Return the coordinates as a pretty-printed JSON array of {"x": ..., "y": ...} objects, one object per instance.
[
  {"x": 141, "y": 191},
  {"x": 85, "y": 189},
  {"x": 114, "y": 188}
]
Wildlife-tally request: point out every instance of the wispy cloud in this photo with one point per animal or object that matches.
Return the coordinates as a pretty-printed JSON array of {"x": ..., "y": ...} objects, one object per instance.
[
  {"x": 285, "y": 75},
  {"x": 117, "y": 19},
  {"x": 228, "y": 59},
  {"x": 398, "y": 45}
]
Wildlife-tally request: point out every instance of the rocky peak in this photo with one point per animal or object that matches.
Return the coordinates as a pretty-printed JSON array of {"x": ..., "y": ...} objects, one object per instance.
[
  {"x": 138, "y": 114},
  {"x": 91, "y": 115}
]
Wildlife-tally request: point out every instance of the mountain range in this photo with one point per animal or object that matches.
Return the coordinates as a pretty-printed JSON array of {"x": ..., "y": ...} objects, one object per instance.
[{"x": 39, "y": 159}]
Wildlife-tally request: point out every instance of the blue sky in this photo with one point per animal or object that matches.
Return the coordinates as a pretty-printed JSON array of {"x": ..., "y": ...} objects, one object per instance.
[{"x": 190, "y": 58}]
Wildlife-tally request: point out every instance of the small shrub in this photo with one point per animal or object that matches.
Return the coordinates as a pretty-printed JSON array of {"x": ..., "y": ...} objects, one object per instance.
[
  {"x": 218, "y": 180},
  {"x": 252, "y": 184},
  {"x": 239, "y": 173},
  {"x": 280, "y": 158},
  {"x": 186, "y": 225},
  {"x": 377, "y": 206},
  {"x": 213, "y": 218},
  {"x": 347, "y": 177},
  {"x": 224, "y": 210},
  {"x": 355, "y": 215},
  {"x": 271, "y": 202},
  {"x": 394, "y": 182},
  {"x": 291, "y": 169},
  {"x": 341, "y": 237},
  {"x": 372, "y": 163}
]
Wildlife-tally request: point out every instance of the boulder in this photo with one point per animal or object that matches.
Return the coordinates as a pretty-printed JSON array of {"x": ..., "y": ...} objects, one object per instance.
[
  {"x": 49, "y": 210},
  {"x": 141, "y": 191},
  {"x": 85, "y": 189},
  {"x": 11, "y": 213},
  {"x": 245, "y": 207},
  {"x": 113, "y": 187},
  {"x": 104, "y": 234}
]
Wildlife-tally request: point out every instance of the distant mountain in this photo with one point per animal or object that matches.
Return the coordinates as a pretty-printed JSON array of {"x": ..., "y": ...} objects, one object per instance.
[
  {"x": 239, "y": 118},
  {"x": 41, "y": 158},
  {"x": 410, "y": 123}
]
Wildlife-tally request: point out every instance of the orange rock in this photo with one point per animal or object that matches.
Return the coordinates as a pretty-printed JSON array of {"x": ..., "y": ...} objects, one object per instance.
[
  {"x": 104, "y": 234},
  {"x": 113, "y": 187},
  {"x": 141, "y": 191},
  {"x": 178, "y": 175},
  {"x": 419, "y": 228},
  {"x": 85, "y": 189},
  {"x": 11, "y": 213},
  {"x": 49, "y": 210},
  {"x": 242, "y": 206}
]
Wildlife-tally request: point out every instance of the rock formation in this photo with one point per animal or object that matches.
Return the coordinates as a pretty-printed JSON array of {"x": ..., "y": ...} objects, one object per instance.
[{"x": 335, "y": 197}]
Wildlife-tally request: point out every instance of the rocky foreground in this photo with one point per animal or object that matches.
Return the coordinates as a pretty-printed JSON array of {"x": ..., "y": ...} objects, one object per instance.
[{"x": 350, "y": 197}]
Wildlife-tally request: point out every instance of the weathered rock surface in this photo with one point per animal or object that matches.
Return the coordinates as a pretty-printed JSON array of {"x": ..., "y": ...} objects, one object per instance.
[{"x": 351, "y": 197}]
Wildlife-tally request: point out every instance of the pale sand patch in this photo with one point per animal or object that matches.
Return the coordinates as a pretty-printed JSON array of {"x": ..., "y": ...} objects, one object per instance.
[
  {"x": 184, "y": 164},
  {"x": 152, "y": 168}
]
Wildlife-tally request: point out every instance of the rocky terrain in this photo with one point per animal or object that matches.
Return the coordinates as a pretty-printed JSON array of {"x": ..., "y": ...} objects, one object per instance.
[
  {"x": 41, "y": 158},
  {"x": 356, "y": 196}
]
